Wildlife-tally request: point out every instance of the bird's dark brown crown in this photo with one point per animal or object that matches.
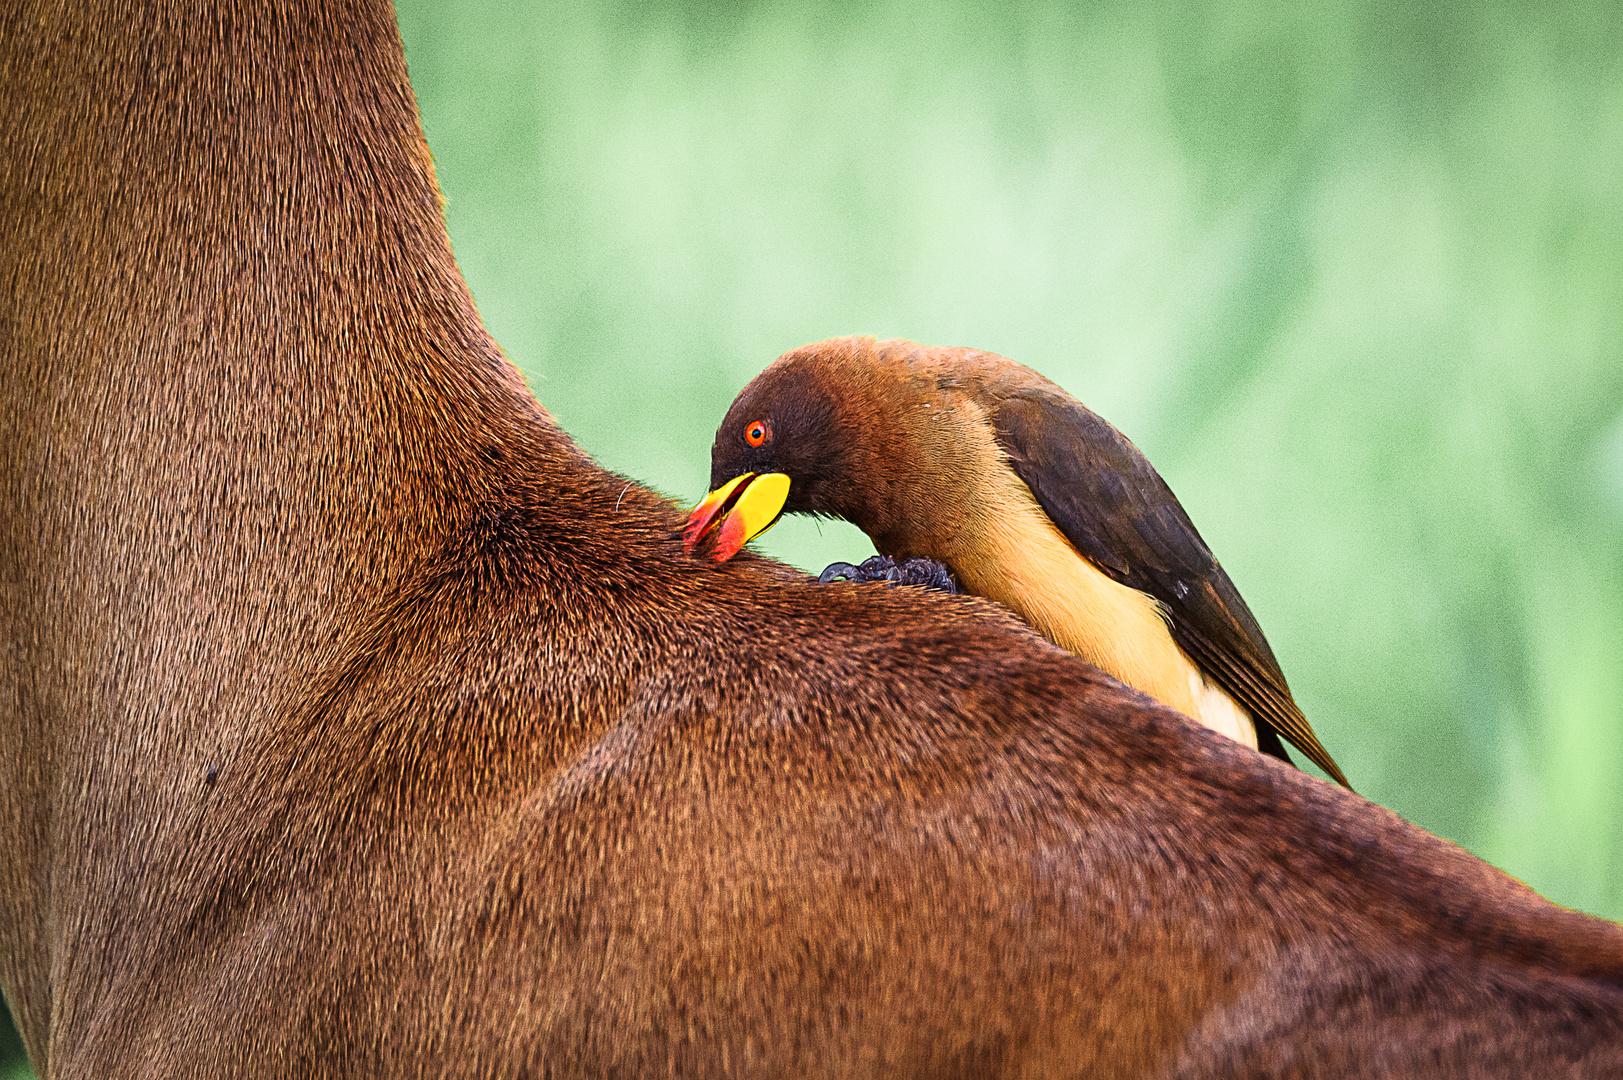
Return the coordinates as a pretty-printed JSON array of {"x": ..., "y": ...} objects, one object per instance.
[{"x": 822, "y": 426}]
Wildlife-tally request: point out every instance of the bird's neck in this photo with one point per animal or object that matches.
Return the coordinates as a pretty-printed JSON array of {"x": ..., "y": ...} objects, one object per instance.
[{"x": 926, "y": 490}]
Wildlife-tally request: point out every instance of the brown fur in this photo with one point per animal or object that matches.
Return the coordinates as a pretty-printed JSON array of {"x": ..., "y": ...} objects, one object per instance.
[{"x": 353, "y": 724}]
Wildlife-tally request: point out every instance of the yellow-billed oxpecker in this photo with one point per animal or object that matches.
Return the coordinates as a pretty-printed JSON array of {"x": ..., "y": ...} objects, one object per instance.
[{"x": 1030, "y": 498}]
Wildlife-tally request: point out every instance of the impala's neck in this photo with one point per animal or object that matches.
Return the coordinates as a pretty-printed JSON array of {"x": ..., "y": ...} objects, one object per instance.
[
  {"x": 242, "y": 372},
  {"x": 244, "y": 384}
]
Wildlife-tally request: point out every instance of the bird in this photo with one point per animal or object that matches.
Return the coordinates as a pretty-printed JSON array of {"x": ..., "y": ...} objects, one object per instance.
[{"x": 1027, "y": 496}]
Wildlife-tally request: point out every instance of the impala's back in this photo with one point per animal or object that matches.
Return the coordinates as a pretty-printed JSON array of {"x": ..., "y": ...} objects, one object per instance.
[{"x": 354, "y": 723}]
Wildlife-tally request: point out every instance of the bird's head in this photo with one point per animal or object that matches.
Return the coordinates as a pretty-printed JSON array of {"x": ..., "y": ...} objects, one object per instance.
[{"x": 810, "y": 435}]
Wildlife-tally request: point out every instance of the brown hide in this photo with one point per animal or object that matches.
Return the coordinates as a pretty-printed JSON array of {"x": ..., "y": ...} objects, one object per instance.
[{"x": 354, "y": 723}]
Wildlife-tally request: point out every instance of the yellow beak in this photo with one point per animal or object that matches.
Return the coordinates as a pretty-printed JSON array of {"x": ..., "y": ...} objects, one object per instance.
[{"x": 734, "y": 514}]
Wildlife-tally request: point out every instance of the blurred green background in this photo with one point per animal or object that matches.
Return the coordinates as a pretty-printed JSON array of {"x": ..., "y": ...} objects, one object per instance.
[{"x": 1350, "y": 274}]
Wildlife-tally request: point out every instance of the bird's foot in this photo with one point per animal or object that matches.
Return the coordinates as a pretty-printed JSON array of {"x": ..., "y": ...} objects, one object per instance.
[{"x": 925, "y": 572}]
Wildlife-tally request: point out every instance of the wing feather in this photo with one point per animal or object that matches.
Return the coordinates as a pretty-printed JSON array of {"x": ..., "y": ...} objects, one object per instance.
[{"x": 1116, "y": 510}]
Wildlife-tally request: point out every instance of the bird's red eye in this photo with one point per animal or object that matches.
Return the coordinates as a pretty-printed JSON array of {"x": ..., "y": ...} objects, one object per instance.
[{"x": 758, "y": 432}]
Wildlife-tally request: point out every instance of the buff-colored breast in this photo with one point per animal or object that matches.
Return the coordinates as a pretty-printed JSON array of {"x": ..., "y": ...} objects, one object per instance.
[{"x": 1014, "y": 554}]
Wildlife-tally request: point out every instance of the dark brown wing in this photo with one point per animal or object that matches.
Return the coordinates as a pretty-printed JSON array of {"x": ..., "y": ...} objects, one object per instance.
[{"x": 1114, "y": 507}]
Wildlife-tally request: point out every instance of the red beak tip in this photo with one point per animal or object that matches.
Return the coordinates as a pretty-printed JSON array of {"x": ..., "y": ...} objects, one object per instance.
[{"x": 693, "y": 532}]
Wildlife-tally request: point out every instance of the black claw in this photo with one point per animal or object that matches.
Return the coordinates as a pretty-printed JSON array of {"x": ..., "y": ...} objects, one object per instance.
[
  {"x": 925, "y": 572},
  {"x": 928, "y": 573}
]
